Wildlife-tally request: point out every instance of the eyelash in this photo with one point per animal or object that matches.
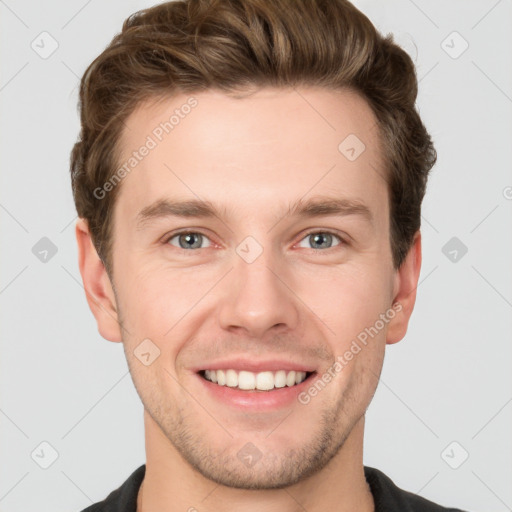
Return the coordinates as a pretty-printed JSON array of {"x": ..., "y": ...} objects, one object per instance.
[{"x": 342, "y": 241}]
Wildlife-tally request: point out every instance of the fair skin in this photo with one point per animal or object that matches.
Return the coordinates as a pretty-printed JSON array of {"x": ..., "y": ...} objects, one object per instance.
[{"x": 300, "y": 303}]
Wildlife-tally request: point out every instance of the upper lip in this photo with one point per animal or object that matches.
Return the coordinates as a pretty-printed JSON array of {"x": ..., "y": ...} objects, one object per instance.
[{"x": 240, "y": 364}]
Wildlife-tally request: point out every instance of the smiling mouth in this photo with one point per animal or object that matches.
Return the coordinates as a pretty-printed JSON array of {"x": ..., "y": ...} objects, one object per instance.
[{"x": 251, "y": 381}]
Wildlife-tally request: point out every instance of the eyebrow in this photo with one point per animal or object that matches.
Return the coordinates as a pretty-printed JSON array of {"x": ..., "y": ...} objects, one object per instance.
[
  {"x": 163, "y": 208},
  {"x": 319, "y": 206},
  {"x": 197, "y": 208}
]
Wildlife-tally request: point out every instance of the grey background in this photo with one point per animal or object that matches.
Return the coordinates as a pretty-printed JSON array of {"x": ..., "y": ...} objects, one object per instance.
[{"x": 448, "y": 380}]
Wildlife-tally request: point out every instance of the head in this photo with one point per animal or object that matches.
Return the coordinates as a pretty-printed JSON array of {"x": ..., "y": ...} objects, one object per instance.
[{"x": 249, "y": 178}]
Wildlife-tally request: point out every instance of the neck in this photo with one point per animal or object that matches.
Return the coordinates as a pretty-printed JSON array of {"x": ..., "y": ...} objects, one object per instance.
[{"x": 171, "y": 484}]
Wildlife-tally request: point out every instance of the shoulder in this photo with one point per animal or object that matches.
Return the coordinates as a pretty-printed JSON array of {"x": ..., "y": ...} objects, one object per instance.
[
  {"x": 389, "y": 498},
  {"x": 124, "y": 498}
]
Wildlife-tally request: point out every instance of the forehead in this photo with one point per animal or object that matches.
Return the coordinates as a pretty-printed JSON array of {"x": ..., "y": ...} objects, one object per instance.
[{"x": 270, "y": 148}]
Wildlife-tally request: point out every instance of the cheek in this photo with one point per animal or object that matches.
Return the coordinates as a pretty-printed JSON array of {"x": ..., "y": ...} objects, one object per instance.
[
  {"x": 165, "y": 304},
  {"x": 348, "y": 299}
]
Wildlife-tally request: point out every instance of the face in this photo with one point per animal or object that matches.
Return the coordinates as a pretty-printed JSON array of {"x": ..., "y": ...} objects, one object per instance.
[{"x": 251, "y": 247}]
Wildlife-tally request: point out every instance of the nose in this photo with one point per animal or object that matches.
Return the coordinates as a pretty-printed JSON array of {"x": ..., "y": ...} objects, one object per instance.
[{"x": 257, "y": 298}]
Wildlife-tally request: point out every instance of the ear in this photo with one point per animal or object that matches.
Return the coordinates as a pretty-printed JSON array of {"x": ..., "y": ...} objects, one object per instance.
[
  {"x": 98, "y": 288},
  {"x": 406, "y": 283}
]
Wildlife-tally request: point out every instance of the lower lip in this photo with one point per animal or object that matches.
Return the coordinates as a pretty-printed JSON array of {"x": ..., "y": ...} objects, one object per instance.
[{"x": 254, "y": 400}]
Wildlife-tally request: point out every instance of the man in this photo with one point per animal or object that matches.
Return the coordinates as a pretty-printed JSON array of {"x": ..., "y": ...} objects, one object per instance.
[{"x": 249, "y": 179}]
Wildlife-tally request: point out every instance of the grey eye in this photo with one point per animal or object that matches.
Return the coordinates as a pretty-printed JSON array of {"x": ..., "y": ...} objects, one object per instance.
[
  {"x": 320, "y": 240},
  {"x": 189, "y": 240}
]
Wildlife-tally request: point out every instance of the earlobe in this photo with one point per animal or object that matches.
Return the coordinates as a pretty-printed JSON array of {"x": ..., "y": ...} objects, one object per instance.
[
  {"x": 98, "y": 288},
  {"x": 406, "y": 283}
]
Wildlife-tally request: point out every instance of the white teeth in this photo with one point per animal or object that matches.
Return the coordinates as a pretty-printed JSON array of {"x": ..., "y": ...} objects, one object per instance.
[
  {"x": 279, "y": 379},
  {"x": 231, "y": 379},
  {"x": 246, "y": 380},
  {"x": 263, "y": 381}
]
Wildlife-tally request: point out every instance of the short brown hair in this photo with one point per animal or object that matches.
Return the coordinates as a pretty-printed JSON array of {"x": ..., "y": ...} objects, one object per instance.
[{"x": 187, "y": 46}]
